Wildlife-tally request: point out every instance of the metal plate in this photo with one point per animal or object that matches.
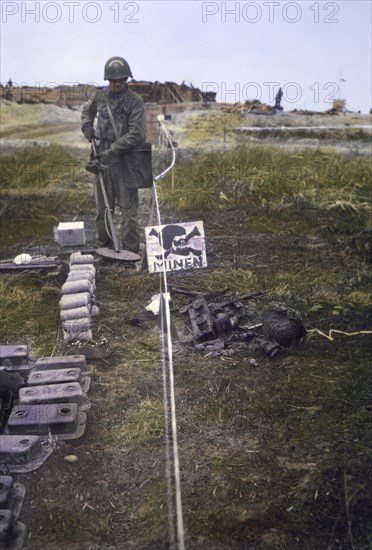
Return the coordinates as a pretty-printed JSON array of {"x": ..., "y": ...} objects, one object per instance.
[
  {"x": 40, "y": 419},
  {"x": 54, "y": 376},
  {"x": 61, "y": 362},
  {"x": 22, "y": 453},
  {"x": 11, "y": 495},
  {"x": 52, "y": 393},
  {"x": 13, "y": 355}
]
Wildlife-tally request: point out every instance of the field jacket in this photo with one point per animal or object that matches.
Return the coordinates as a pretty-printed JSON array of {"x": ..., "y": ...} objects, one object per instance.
[{"x": 129, "y": 114}]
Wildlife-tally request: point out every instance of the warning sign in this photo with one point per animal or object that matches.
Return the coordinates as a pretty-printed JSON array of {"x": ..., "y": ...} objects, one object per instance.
[{"x": 175, "y": 246}]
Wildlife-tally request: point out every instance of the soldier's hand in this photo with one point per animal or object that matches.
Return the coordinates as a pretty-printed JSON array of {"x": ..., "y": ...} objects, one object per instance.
[
  {"x": 88, "y": 132},
  {"x": 106, "y": 157}
]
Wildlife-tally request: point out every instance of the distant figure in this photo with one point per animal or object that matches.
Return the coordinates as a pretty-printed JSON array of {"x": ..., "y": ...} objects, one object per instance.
[
  {"x": 9, "y": 84},
  {"x": 278, "y": 99}
]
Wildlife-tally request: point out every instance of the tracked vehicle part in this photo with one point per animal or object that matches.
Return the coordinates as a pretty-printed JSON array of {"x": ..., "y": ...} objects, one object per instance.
[
  {"x": 14, "y": 355},
  {"x": 59, "y": 376},
  {"x": 201, "y": 321},
  {"x": 11, "y": 495},
  {"x": 6, "y": 521},
  {"x": 283, "y": 326},
  {"x": 6, "y": 484},
  {"x": 91, "y": 350},
  {"x": 224, "y": 324},
  {"x": 61, "y": 419},
  {"x": 216, "y": 344},
  {"x": 61, "y": 362},
  {"x": 22, "y": 453},
  {"x": 53, "y": 393},
  {"x": 5, "y": 401},
  {"x": 9, "y": 382},
  {"x": 12, "y": 533}
]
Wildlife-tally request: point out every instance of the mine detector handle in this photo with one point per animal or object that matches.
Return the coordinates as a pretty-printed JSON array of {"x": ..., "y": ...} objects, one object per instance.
[{"x": 104, "y": 193}]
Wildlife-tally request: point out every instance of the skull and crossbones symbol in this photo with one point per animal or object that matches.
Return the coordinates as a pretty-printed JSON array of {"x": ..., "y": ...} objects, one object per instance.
[{"x": 174, "y": 240}]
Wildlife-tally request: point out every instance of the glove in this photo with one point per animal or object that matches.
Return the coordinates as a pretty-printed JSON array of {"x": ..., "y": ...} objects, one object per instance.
[
  {"x": 88, "y": 131},
  {"x": 106, "y": 158}
]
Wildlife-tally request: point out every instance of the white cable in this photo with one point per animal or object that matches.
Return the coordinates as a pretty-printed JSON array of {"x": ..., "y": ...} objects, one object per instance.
[
  {"x": 173, "y": 152},
  {"x": 179, "y": 514},
  {"x": 172, "y": 402},
  {"x": 162, "y": 174},
  {"x": 171, "y": 526}
]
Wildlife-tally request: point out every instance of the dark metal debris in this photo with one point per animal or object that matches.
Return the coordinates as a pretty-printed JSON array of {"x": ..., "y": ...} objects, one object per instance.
[{"x": 220, "y": 327}]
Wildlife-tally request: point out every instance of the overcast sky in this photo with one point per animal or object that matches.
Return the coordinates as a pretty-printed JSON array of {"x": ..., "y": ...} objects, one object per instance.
[{"x": 315, "y": 50}]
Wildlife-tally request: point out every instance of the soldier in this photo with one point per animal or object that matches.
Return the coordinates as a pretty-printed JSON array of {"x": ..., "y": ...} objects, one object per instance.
[
  {"x": 120, "y": 127},
  {"x": 278, "y": 99}
]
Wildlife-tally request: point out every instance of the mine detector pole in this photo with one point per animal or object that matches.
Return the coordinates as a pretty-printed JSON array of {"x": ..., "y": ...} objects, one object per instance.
[{"x": 105, "y": 198}]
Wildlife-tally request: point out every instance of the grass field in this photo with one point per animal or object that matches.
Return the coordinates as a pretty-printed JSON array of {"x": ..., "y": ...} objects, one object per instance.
[{"x": 273, "y": 456}]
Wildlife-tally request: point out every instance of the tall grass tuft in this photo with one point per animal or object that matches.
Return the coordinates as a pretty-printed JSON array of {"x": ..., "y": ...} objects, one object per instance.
[{"x": 253, "y": 175}]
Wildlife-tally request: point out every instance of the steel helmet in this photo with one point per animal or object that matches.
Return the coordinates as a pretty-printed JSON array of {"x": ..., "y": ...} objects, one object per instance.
[{"x": 117, "y": 68}]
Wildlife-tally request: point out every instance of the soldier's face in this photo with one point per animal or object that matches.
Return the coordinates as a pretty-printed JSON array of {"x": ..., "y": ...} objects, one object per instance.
[{"x": 117, "y": 86}]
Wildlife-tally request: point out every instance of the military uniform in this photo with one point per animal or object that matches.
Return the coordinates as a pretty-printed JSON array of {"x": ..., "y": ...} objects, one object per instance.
[{"x": 120, "y": 176}]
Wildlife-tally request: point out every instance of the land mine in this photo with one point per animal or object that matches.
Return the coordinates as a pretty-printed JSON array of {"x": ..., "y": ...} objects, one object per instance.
[{"x": 273, "y": 450}]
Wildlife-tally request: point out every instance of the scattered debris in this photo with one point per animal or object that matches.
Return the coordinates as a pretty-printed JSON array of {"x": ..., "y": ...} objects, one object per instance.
[
  {"x": 12, "y": 532},
  {"x": 335, "y": 331},
  {"x": 154, "y": 304},
  {"x": 70, "y": 96},
  {"x": 70, "y": 458},
  {"x": 225, "y": 326},
  {"x": 250, "y": 107},
  {"x": 283, "y": 325}
]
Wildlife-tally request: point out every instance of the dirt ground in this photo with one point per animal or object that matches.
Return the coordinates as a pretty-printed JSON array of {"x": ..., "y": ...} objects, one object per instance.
[{"x": 273, "y": 452}]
